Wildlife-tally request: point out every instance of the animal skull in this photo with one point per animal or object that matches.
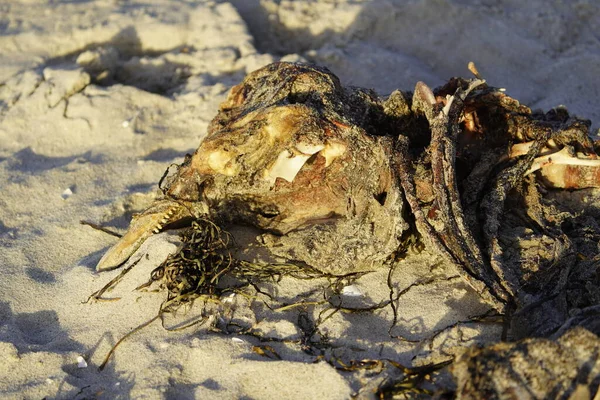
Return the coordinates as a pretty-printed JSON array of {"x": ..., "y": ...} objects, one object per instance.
[{"x": 290, "y": 152}]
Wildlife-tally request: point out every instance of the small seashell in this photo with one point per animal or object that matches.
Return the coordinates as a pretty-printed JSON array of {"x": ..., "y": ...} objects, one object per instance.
[
  {"x": 229, "y": 298},
  {"x": 81, "y": 363},
  {"x": 66, "y": 193},
  {"x": 352, "y": 291}
]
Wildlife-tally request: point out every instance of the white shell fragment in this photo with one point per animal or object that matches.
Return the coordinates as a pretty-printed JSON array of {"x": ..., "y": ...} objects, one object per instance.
[
  {"x": 352, "y": 291},
  {"x": 66, "y": 193},
  {"x": 228, "y": 299},
  {"x": 81, "y": 363}
]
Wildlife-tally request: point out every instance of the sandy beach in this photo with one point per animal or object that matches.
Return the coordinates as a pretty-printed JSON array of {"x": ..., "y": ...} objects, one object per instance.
[{"x": 98, "y": 98}]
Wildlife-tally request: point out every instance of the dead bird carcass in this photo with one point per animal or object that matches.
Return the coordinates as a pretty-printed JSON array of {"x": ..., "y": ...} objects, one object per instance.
[{"x": 340, "y": 176}]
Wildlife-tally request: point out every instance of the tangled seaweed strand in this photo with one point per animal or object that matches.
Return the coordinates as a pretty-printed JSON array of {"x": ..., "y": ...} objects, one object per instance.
[
  {"x": 194, "y": 271},
  {"x": 199, "y": 263},
  {"x": 203, "y": 259}
]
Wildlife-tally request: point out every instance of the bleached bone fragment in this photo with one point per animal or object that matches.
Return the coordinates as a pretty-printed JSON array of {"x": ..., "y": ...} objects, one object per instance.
[
  {"x": 332, "y": 151},
  {"x": 564, "y": 170},
  {"x": 221, "y": 162},
  {"x": 286, "y": 166}
]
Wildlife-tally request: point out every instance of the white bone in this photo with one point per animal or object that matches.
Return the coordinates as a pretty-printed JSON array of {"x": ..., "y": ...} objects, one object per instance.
[
  {"x": 562, "y": 157},
  {"x": 220, "y": 162},
  {"x": 309, "y": 149},
  {"x": 286, "y": 166},
  {"x": 332, "y": 151}
]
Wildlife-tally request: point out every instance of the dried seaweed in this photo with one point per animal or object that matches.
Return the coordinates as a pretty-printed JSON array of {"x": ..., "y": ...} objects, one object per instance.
[
  {"x": 410, "y": 384},
  {"x": 204, "y": 258},
  {"x": 101, "y": 228},
  {"x": 194, "y": 272}
]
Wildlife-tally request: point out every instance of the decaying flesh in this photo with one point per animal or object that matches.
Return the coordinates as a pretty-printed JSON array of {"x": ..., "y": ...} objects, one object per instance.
[
  {"x": 294, "y": 153},
  {"x": 289, "y": 153}
]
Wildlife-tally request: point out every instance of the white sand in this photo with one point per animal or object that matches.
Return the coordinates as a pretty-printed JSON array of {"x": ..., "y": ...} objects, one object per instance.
[{"x": 71, "y": 150}]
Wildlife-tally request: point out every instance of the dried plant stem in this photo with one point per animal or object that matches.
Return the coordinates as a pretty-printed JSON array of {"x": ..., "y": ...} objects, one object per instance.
[{"x": 110, "y": 353}]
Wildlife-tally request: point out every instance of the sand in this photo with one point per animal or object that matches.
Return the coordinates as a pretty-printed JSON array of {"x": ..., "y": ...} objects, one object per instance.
[{"x": 72, "y": 149}]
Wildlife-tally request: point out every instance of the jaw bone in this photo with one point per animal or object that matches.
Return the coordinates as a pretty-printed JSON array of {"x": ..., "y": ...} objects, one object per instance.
[
  {"x": 288, "y": 153},
  {"x": 159, "y": 215}
]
